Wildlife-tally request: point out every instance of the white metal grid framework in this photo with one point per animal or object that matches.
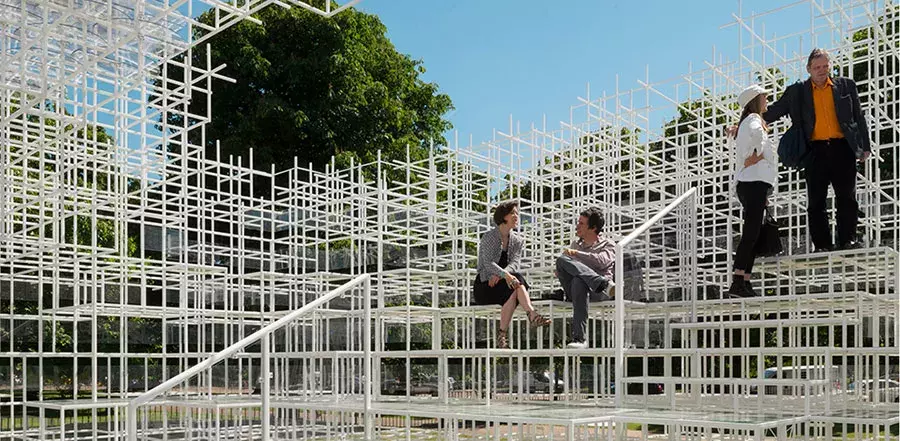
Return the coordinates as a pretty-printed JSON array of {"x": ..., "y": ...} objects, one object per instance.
[{"x": 128, "y": 257}]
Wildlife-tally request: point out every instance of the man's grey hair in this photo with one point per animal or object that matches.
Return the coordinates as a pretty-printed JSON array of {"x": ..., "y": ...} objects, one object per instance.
[{"x": 816, "y": 53}]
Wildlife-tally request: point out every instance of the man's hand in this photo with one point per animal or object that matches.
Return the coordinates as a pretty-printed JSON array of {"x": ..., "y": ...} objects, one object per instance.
[
  {"x": 753, "y": 159},
  {"x": 731, "y": 131},
  {"x": 570, "y": 252},
  {"x": 493, "y": 281},
  {"x": 865, "y": 156}
]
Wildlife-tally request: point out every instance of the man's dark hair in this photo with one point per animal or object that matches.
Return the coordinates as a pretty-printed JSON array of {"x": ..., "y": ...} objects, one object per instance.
[
  {"x": 594, "y": 217},
  {"x": 503, "y": 209},
  {"x": 816, "y": 53}
]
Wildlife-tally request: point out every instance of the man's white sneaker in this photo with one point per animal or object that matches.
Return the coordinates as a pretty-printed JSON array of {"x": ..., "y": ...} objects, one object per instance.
[{"x": 577, "y": 345}]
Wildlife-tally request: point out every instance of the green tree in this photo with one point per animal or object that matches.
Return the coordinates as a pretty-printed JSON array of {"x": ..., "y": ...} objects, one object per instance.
[
  {"x": 314, "y": 88},
  {"x": 771, "y": 79},
  {"x": 685, "y": 128},
  {"x": 877, "y": 46}
]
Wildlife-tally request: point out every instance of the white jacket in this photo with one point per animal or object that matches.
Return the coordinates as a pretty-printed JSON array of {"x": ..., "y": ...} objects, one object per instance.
[{"x": 753, "y": 137}]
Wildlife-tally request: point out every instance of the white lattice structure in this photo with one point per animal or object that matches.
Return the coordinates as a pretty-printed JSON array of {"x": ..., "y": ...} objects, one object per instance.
[{"x": 349, "y": 294}]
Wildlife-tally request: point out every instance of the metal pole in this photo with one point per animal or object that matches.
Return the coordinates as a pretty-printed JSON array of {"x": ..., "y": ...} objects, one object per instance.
[
  {"x": 265, "y": 388},
  {"x": 367, "y": 357},
  {"x": 620, "y": 324},
  {"x": 132, "y": 422}
]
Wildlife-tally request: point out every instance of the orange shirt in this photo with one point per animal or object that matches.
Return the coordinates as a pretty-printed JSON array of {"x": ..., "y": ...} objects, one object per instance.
[{"x": 827, "y": 126}]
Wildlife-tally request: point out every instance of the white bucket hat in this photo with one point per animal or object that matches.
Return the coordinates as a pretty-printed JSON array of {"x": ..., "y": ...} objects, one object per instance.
[{"x": 749, "y": 94}]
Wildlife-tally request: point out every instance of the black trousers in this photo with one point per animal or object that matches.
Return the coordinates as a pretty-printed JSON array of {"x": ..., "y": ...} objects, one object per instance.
[
  {"x": 753, "y": 198},
  {"x": 832, "y": 162}
]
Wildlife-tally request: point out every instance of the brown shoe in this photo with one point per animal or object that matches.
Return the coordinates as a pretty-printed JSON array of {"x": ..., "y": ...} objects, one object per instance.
[
  {"x": 502, "y": 339},
  {"x": 537, "y": 320}
]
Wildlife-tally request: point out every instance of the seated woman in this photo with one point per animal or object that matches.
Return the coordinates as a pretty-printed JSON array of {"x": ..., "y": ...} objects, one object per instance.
[{"x": 498, "y": 281}]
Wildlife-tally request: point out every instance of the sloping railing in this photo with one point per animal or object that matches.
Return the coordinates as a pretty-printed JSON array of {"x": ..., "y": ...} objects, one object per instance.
[
  {"x": 689, "y": 197},
  {"x": 262, "y": 335}
]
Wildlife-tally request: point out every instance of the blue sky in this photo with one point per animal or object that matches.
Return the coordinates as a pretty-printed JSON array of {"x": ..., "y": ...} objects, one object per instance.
[{"x": 532, "y": 58}]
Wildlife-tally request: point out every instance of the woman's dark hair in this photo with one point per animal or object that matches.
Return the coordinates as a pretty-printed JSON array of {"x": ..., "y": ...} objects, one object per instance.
[
  {"x": 752, "y": 107},
  {"x": 503, "y": 209},
  {"x": 594, "y": 217}
]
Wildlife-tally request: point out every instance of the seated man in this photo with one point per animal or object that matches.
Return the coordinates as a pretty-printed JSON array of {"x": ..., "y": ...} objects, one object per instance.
[{"x": 586, "y": 269}]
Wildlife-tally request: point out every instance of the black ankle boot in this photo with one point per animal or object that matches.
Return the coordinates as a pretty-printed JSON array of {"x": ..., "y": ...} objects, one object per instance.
[
  {"x": 748, "y": 289},
  {"x": 741, "y": 287},
  {"x": 737, "y": 287}
]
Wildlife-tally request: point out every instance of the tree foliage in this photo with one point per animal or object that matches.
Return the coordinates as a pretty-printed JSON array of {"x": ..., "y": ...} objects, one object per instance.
[
  {"x": 314, "y": 88},
  {"x": 879, "y": 40}
]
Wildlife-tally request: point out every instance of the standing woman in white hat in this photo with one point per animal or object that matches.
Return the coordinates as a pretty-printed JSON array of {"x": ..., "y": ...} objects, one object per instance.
[{"x": 756, "y": 171}]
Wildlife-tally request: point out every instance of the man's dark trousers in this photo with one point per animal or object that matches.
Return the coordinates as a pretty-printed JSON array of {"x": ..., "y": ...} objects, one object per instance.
[
  {"x": 832, "y": 162},
  {"x": 582, "y": 286}
]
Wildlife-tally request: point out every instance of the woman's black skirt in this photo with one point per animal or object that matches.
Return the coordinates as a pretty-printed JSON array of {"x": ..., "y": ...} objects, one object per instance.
[{"x": 497, "y": 294}]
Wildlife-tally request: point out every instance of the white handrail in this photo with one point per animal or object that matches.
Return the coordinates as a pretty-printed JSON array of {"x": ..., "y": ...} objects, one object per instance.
[
  {"x": 662, "y": 213},
  {"x": 620, "y": 277},
  {"x": 253, "y": 338}
]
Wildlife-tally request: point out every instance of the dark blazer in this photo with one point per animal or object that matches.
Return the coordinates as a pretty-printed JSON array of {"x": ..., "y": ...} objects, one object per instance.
[{"x": 797, "y": 101}]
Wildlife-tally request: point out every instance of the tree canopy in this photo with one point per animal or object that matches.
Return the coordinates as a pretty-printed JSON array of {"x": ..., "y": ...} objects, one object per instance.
[{"x": 316, "y": 87}]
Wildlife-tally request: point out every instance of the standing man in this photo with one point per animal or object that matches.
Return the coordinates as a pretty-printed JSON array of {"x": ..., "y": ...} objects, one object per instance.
[
  {"x": 585, "y": 269},
  {"x": 829, "y": 112}
]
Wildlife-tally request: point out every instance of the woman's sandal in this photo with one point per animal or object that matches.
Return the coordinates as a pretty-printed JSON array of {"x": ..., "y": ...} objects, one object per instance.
[
  {"x": 537, "y": 320},
  {"x": 502, "y": 339}
]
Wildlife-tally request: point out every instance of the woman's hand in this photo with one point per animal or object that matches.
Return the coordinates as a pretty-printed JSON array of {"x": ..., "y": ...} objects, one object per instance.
[
  {"x": 753, "y": 159},
  {"x": 493, "y": 281},
  {"x": 512, "y": 281}
]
